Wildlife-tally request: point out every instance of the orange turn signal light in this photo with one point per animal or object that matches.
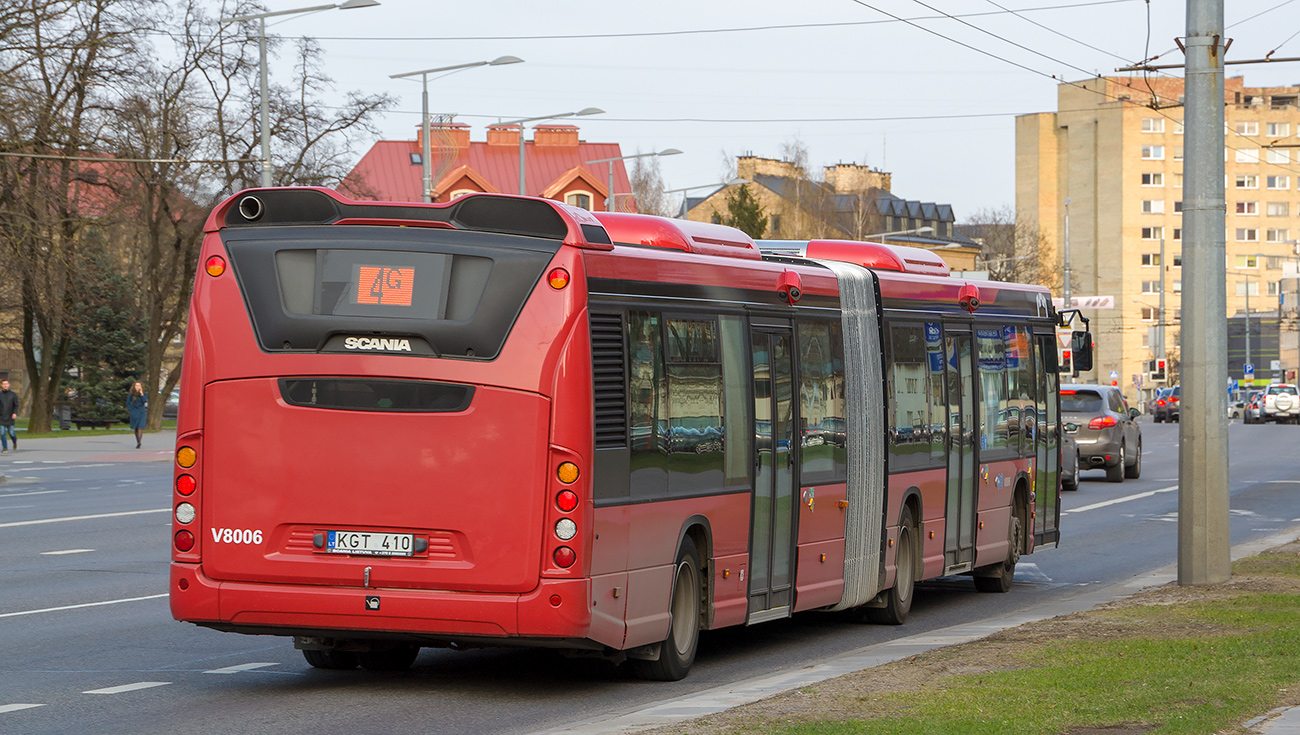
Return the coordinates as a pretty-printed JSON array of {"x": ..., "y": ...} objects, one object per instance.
[
  {"x": 215, "y": 266},
  {"x": 567, "y": 473},
  {"x": 186, "y": 457},
  {"x": 558, "y": 278}
]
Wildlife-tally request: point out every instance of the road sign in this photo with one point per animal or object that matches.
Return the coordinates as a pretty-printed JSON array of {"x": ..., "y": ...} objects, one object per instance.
[
  {"x": 1114, "y": 375},
  {"x": 1232, "y": 384},
  {"x": 1249, "y": 370}
]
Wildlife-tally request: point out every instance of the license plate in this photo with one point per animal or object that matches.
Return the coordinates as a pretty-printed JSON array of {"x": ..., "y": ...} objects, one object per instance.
[{"x": 372, "y": 543}]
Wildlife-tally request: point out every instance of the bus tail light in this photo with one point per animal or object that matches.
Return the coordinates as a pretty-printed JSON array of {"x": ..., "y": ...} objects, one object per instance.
[
  {"x": 564, "y": 557},
  {"x": 185, "y": 513},
  {"x": 565, "y": 529},
  {"x": 215, "y": 266},
  {"x": 185, "y": 485},
  {"x": 184, "y": 540},
  {"x": 186, "y": 457},
  {"x": 566, "y": 501},
  {"x": 558, "y": 278},
  {"x": 1102, "y": 422}
]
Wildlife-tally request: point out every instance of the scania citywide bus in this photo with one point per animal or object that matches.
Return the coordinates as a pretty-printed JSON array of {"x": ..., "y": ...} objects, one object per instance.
[{"x": 507, "y": 421}]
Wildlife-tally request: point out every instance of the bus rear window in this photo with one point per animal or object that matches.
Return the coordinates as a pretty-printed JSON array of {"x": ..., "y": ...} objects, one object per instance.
[{"x": 415, "y": 291}]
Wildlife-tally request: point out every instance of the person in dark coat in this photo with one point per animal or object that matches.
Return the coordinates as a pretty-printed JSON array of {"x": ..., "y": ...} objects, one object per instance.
[
  {"x": 8, "y": 414},
  {"x": 137, "y": 404}
]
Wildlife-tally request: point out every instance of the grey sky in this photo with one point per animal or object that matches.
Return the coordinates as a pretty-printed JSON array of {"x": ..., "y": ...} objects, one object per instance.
[{"x": 937, "y": 114}]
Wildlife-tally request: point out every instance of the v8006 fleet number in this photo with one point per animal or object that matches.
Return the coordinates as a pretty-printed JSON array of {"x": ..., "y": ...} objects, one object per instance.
[{"x": 236, "y": 536}]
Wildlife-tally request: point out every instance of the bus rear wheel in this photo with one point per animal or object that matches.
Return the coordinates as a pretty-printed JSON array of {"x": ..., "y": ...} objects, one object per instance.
[
  {"x": 677, "y": 651},
  {"x": 337, "y": 660},
  {"x": 999, "y": 577},
  {"x": 898, "y": 599}
]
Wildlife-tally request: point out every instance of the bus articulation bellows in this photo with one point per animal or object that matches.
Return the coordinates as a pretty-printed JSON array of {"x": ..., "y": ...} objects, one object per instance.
[{"x": 507, "y": 421}]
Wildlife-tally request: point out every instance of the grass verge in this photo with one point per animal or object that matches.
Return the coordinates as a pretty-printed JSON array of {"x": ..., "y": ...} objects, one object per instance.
[
  {"x": 1170, "y": 660},
  {"x": 22, "y": 423}
]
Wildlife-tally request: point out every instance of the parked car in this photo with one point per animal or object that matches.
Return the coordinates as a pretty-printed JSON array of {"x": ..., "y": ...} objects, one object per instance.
[
  {"x": 1106, "y": 429},
  {"x": 172, "y": 405},
  {"x": 1281, "y": 403},
  {"x": 1166, "y": 404},
  {"x": 1069, "y": 460},
  {"x": 1250, "y": 415}
]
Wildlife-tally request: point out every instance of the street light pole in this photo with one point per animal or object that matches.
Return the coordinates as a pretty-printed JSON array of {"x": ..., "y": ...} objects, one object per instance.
[
  {"x": 426, "y": 148},
  {"x": 261, "y": 55},
  {"x": 609, "y": 195},
  {"x": 580, "y": 113},
  {"x": 718, "y": 184}
]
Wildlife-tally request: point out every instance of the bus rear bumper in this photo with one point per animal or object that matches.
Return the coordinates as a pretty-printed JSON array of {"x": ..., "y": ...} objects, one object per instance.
[{"x": 555, "y": 609}]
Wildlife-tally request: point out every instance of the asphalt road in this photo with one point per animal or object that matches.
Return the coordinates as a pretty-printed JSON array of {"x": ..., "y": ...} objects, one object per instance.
[{"x": 90, "y": 643}]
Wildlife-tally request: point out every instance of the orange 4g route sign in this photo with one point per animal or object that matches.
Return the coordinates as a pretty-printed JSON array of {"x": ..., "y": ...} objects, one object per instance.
[{"x": 385, "y": 285}]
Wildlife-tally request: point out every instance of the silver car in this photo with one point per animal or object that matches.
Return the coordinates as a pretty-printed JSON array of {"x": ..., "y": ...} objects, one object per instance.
[{"x": 1100, "y": 421}]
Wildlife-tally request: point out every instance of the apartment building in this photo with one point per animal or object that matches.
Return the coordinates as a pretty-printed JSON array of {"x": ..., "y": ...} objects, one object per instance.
[{"x": 1110, "y": 161}]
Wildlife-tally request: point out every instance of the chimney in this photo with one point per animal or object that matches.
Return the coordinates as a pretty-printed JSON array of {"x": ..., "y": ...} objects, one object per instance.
[
  {"x": 556, "y": 135},
  {"x": 503, "y": 134}
]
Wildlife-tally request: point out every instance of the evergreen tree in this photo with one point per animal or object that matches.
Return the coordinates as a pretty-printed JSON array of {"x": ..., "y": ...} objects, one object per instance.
[
  {"x": 745, "y": 213},
  {"x": 108, "y": 352}
]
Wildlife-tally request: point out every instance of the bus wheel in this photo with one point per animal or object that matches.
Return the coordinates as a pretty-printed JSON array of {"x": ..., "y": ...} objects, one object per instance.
[
  {"x": 677, "y": 652},
  {"x": 898, "y": 599},
  {"x": 340, "y": 660},
  {"x": 1000, "y": 576},
  {"x": 394, "y": 659}
]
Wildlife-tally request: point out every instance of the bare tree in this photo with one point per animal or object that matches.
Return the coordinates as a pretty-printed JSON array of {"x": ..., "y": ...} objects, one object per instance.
[
  {"x": 648, "y": 187},
  {"x": 1014, "y": 248}
]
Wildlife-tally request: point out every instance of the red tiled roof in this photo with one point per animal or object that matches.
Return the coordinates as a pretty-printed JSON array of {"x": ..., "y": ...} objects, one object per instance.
[{"x": 386, "y": 173}]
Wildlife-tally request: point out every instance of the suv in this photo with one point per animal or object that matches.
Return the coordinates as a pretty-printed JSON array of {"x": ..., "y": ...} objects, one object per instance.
[
  {"x": 1281, "y": 403},
  {"x": 1166, "y": 404},
  {"x": 1099, "y": 420}
]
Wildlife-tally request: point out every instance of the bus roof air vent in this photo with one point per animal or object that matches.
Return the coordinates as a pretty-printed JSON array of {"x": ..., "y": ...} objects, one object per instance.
[
  {"x": 702, "y": 238},
  {"x": 879, "y": 257}
]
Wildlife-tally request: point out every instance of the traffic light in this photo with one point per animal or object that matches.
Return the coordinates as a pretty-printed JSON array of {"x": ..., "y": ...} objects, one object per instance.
[
  {"x": 1158, "y": 370},
  {"x": 1066, "y": 365}
]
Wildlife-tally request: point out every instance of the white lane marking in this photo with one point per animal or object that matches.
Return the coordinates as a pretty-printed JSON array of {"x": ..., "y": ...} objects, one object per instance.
[
  {"x": 37, "y": 492},
  {"x": 38, "y": 469},
  {"x": 79, "y": 606},
  {"x": 129, "y": 687},
  {"x": 15, "y": 707},
  {"x": 239, "y": 668},
  {"x": 84, "y": 518},
  {"x": 1124, "y": 499},
  {"x": 65, "y": 551}
]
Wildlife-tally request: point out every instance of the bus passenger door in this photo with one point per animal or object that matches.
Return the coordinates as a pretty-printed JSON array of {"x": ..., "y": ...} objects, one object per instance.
[
  {"x": 1047, "y": 477},
  {"x": 959, "y": 512},
  {"x": 771, "y": 562}
]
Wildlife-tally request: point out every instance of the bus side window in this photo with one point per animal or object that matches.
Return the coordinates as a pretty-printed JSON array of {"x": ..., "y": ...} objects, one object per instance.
[
  {"x": 647, "y": 405},
  {"x": 821, "y": 403}
]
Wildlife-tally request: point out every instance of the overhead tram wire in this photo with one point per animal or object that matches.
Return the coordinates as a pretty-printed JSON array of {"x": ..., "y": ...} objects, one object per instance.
[
  {"x": 1230, "y": 25},
  {"x": 682, "y": 32},
  {"x": 1049, "y": 29}
]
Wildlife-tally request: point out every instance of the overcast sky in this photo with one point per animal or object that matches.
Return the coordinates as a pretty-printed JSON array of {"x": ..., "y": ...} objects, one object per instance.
[{"x": 932, "y": 100}]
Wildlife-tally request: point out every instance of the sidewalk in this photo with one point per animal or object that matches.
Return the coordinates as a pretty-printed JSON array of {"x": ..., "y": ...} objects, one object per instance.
[{"x": 88, "y": 445}]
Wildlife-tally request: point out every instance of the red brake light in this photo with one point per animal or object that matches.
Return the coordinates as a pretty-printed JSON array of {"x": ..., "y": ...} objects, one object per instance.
[
  {"x": 1160, "y": 402},
  {"x": 184, "y": 540},
  {"x": 1102, "y": 422},
  {"x": 567, "y": 500},
  {"x": 185, "y": 484},
  {"x": 558, "y": 278},
  {"x": 564, "y": 557},
  {"x": 1067, "y": 392},
  {"x": 215, "y": 266}
]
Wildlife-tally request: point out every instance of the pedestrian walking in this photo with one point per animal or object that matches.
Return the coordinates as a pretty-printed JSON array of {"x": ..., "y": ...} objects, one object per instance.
[
  {"x": 8, "y": 414},
  {"x": 137, "y": 404}
]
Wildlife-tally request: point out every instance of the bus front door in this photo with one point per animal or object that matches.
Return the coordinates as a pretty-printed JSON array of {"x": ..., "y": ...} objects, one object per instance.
[
  {"x": 771, "y": 562},
  {"x": 959, "y": 512}
]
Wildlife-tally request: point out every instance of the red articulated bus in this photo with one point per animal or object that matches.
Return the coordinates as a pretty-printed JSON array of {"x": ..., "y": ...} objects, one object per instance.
[{"x": 507, "y": 421}]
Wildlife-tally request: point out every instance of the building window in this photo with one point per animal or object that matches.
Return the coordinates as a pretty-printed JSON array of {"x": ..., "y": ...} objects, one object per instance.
[
  {"x": 1247, "y": 128},
  {"x": 1247, "y": 181},
  {"x": 1247, "y": 234},
  {"x": 1178, "y": 315},
  {"x": 1178, "y": 259},
  {"x": 1275, "y": 235},
  {"x": 1178, "y": 181},
  {"x": 1178, "y": 286},
  {"x": 1273, "y": 263},
  {"x": 581, "y": 199},
  {"x": 1153, "y": 179},
  {"x": 1278, "y": 182},
  {"x": 1153, "y": 206},
  {"x": 417, "y": 159},
  {"x": 1178, "y": 127},
  {"x": 1277, "y": 129},
  {"x": 1153, "y": 152},
  {"x": 1277, "y": 209},
  {"x": 1280, "y": 102},
  {"x": 456, "y": 194},
  {"x": 1178, "y": 153},
  {"x": 775, "y": 223},
  {"x": 1247, "y": 155},
  {"x": 1178, "y": 235},
  {"x": 1150, "y": 259},
  {"x": 1153, "y": 125},
  {"x": 1247, "y": 261},
  {"x": 1178, "y": 205},
  {"x": 1152, "y": 233},
  {"x": 1151, "y": 287},
  {"x": 1276, "y": 156},
  {"x": 1272, "y": 288},
  {"x": 1149, "y": 314},
  {"x": 1249, "y": 208},
  {"x": 1247, "y": 288}
]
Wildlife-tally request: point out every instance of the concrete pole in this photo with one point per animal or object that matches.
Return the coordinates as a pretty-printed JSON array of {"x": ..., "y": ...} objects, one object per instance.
[
  {"x": 609, "y": 199},
  {"x": 1203, "y": 542},
  {"x": 521, "y": 160},
  {"x": 266, "y": 114},
  {"x": 426, "y": 150},
  {"x": 1160, "y": 317},
  {"x": 1065, "y": 253}
]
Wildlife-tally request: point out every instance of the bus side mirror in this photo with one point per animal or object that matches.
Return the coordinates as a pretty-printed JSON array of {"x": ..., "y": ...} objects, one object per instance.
[{"x": 1081, "y": 351}]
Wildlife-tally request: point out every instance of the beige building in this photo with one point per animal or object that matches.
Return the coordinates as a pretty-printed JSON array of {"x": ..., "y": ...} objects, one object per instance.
[{"x": 1113, "y": 151}]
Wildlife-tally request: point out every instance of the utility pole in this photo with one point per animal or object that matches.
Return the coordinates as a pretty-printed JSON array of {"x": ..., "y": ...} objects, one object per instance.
[
  {"x": 1203, "y": 542},
  {"x": 1065, "y": 253},
  {"x": 1160, "y": 317}
]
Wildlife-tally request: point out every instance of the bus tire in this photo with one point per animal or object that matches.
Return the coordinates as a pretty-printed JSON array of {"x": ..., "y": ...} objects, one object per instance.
[
  {"x": 898, "y": 599},
  {"x": 998, "y": 577},
  {"x": 677, "y": 651},
  {"x": 337, "y": 660},
  {"x": 393, "y": 659}
]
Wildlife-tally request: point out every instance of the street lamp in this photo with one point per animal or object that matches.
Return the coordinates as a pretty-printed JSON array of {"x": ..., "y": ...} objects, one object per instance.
[
  {"x": 927, "y": 230},
  {"x": 520, "y": 122},
  {"x": 261, "y": 50},
  {"x": 609, "y": 198},
  {"x": 717, "y": 184},
  {"x": 426, "y": 152}
]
